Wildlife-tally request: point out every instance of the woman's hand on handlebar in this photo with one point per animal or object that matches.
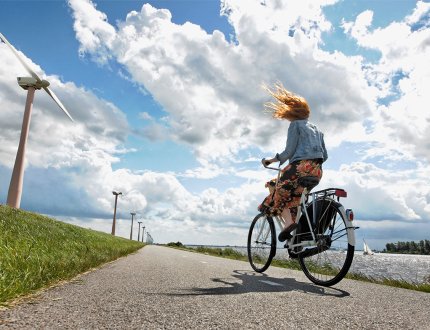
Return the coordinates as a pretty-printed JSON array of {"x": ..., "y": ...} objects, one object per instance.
[{"x": 267, "y": 162}]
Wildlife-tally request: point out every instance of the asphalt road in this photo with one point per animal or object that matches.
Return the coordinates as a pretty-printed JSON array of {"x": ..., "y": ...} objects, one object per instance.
[{"x": 163, "y": 288}]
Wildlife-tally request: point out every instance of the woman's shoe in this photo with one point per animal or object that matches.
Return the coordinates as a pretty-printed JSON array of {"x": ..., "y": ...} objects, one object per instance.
[{"x": 286, "y": 232}]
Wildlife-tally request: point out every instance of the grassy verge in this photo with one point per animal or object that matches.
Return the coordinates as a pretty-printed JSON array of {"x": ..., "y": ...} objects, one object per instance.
[
  {"x": 294, "y": 264},
  {"x": 37, "y": 251}
]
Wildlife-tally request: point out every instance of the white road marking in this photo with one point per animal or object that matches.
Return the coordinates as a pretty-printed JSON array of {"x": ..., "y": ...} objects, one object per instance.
[
  {"x": 271, "y": 283},
  {"x": 204, "y": 262}
]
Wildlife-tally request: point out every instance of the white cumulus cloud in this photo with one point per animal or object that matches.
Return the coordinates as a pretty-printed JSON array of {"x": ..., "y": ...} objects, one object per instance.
[{"x": 211, "y": 87}]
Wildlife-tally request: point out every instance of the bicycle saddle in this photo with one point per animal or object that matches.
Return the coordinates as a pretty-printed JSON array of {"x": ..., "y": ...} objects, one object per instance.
[{"x": 308, "y": 182}]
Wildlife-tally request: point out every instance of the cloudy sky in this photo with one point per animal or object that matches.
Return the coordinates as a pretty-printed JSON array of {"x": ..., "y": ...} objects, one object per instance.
[{"x": 168, "y": 105}]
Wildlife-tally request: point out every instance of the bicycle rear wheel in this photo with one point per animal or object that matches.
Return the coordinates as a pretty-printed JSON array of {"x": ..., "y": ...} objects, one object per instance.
[
  {"x": 329, "y": 262},
  {"x": 261, "y": 242}
]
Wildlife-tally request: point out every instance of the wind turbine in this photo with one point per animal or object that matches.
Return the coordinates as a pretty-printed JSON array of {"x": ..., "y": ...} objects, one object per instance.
[{"x": 30, "y": 84}]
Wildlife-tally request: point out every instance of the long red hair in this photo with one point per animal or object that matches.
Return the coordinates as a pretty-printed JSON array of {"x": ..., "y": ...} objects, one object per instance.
[{"x": 288, "y": 105}]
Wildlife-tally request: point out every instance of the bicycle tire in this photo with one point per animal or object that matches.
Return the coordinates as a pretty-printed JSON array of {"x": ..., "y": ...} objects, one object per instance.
[
  {"x": 331, "y": 262},
  {"x": 260, "y": 250}
]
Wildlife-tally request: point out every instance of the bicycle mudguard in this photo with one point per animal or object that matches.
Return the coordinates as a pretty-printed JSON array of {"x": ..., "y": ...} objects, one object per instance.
[{"x": 349, "y": 225}]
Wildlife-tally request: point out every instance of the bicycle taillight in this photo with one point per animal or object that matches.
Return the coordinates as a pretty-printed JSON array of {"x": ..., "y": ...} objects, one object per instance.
[
  {"x": 349, "y": 214},
  {"x": 340, "y": 193}
]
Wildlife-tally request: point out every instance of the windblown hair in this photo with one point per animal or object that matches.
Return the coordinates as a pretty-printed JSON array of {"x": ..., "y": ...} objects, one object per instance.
[{"x": 288, "y": 105}]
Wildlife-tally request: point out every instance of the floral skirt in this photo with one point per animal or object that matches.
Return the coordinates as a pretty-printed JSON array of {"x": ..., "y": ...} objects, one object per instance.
[{"x": 289, "y": 191}]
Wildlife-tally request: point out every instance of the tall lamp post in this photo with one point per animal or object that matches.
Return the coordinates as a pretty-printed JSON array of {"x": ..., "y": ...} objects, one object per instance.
[
  {"x": 115, "y": 193},
  {"x": 131, "y": 230},
  {"x": 143, "y": 232},
  {"x": 138, "y": 233}
]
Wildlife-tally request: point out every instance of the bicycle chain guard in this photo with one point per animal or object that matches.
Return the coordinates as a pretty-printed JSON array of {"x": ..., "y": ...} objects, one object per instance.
[{"x": 323, "y": 244}]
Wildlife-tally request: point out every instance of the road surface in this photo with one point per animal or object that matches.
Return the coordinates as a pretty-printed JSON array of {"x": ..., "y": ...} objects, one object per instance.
[{"x": 164, "y": 288}]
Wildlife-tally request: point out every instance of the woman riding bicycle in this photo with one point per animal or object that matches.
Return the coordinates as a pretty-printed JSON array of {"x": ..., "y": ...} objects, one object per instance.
[{"x": 305, "y": 150}]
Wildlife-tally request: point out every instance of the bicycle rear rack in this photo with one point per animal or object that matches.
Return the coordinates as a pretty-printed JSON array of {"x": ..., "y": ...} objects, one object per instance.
[{"x": 329, "y": 192}]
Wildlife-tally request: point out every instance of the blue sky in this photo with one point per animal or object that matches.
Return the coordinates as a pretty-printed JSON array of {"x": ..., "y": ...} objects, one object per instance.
[{"x": 168, "y": 108}]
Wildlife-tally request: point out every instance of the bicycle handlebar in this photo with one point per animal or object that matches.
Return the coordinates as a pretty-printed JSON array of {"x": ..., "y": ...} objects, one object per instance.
[{"x": 271, "y": 168}]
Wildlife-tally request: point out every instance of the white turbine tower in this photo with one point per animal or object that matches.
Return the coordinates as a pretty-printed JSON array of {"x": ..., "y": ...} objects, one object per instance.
[{"x": 30, "y": 84}]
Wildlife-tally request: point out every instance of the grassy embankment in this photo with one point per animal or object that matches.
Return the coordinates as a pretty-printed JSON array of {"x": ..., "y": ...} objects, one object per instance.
[
  {"x": 37, "y": 251},
  {"x": 294, "y": 264}
]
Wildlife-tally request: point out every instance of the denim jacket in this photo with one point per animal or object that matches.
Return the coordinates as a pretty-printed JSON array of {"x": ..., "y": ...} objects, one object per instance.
[{"x": 304, "y": 141}]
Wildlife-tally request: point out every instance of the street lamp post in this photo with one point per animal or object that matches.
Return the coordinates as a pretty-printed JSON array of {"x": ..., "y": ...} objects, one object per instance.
[
  {"x": 114, "y": 211},
  {"x": 138, "y": 233},
  {"x": 143, "y": 232},
  {"x": 131, "y": 230}
]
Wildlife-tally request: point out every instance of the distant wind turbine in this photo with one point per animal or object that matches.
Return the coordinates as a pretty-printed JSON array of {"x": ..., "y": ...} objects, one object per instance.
[{"x": 30, "y": 84}]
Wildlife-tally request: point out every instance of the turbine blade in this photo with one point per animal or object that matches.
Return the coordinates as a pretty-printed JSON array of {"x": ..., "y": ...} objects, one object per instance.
[
  {"x": 55, "y": 98},
  {"x": 33, "y": 74}
]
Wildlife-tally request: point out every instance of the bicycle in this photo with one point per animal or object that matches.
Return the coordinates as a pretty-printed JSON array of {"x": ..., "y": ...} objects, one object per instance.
[{"x": 323, "y": 242}]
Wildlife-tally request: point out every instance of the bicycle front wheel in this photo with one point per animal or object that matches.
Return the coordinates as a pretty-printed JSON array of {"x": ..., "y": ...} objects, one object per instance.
[
  {"x": 261, "y": 242},
  {"x": 328, "y": 262}
]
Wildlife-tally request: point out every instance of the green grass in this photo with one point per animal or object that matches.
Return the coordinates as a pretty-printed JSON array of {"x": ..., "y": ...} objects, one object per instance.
[
  {"x": 37, "y": 251},
  {"x": 294, "y": 264}
]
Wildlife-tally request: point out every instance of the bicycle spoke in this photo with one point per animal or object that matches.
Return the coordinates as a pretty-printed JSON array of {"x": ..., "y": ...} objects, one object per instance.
[{"x": 261, "y": 243}]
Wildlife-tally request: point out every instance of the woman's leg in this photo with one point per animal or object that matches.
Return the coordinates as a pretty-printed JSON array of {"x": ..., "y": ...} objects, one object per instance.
[
  {"x": 286, "y": 215},
  {"x": 293, "y": 212},
  {"x": 288, "y": 197},
  {"x": 289, "y": 216}
]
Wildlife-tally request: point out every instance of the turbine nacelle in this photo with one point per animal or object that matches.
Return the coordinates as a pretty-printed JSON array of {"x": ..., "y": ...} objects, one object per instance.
[{"x": 26, "y": 82}]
